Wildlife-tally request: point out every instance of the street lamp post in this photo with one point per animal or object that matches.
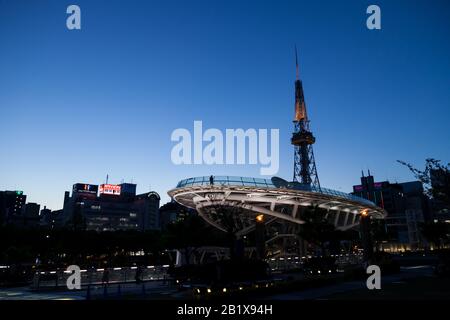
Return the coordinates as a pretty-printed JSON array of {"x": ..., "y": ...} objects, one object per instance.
[
  {"x": 366, "y": 237},
  {"x": 260, "y": 230}
]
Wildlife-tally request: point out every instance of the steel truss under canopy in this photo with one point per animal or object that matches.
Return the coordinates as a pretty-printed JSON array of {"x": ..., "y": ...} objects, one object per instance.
[{"x": 234, "y": 202}]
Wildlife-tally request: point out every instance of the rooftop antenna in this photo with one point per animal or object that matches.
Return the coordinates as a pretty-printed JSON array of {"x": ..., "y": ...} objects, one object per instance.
[
  {"x": 368, "y": 170},
  {"x": 296, "y": 64},
  {"x": 362, "y": 172},
  {"x": 107, "y": 177}
]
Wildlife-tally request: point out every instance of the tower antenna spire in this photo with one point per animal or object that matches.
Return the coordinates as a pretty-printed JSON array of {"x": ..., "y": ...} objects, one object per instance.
[{"x": 305, "y": 171}]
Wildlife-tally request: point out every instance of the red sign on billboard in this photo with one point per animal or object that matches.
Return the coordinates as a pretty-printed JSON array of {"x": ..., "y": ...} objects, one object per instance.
[{"x": 113, "y": 189}]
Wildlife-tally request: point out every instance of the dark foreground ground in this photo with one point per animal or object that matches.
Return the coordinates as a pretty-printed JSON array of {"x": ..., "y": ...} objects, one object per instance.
[
  {"x": 412, "y": 289},
  {"x": 411, "y": 283}
]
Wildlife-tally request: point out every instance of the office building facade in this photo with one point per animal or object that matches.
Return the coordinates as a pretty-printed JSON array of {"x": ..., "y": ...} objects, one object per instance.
[
  {"x": 407, "y": 208},
  {"x": 109, "y": 207},
  {"x": 12, "y": 206}
]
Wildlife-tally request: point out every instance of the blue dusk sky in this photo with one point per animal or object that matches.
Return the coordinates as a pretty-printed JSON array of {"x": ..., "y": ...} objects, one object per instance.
[{"x": 78, "y": 105}]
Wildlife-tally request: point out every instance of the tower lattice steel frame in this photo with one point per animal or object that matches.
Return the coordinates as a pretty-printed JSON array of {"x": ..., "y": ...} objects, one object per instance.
[{"x": 305, "y": 171}]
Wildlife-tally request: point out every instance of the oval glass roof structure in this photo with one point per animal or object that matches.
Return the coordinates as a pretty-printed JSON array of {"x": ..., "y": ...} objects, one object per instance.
[{"x": 275, "y": 198}]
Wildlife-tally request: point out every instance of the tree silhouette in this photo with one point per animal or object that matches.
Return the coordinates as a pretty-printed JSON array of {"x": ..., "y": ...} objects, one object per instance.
[
  {"x": 435, "y": 177},
  {"x": 316, "y": 229},
  {"x": 187, "y": 235},
  {"x": 435, "y": 232}
]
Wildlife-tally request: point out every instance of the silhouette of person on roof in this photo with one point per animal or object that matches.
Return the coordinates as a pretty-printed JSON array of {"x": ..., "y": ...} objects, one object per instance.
[
  {"x": 105, "y": 278},
  {"x": 138, "y": 276},
  {"x": 211, "y": 180}
]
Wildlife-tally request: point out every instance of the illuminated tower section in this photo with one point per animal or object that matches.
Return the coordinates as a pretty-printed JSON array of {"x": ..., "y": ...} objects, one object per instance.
[{"x": 305, "y": 171}]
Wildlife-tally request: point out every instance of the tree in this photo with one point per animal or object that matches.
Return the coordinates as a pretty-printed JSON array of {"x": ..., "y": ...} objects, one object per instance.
[
  {"x": 316, "y": 229},
  {"x": 187, "y": 235},
  {"x": 435, "y": 232},
  {"x": 379, "y": 231},
  {"x": 435, "y": 177}
]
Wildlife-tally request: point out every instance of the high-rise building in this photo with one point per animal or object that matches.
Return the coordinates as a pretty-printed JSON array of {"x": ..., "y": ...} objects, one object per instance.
[
  {"x": 31, "y": 217},
  {"x": 172, "y": 212},
  {"x": 46, "y": 217},
  {"x": 148, "y": 208},
  {"x": 51, "y": 219},
  {"x": 12, "y": 206},
  {"x": 407, "y": 207},
  {"x": 110, "y": 207}
]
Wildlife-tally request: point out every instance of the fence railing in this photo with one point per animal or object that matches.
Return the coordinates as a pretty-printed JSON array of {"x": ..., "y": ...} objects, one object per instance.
[
  {"x": 58, "y": 278},
  {"x": 265, "y": 183}
]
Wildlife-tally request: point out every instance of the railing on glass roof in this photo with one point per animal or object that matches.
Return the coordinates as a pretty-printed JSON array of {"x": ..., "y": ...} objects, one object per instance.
[{"x": 266, "y": 183}]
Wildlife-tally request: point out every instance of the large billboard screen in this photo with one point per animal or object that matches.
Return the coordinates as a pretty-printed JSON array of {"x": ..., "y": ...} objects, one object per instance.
[
  {"x": 112, "y": 189},
  {"x": 85, "y": 188}
]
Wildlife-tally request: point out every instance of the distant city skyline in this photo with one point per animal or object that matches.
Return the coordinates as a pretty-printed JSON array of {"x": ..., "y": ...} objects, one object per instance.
[{"x": 76, "y": 105}]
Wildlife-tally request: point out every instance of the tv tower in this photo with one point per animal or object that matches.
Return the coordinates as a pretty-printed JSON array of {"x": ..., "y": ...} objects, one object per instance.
[{"x": 305, "y": 171}]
